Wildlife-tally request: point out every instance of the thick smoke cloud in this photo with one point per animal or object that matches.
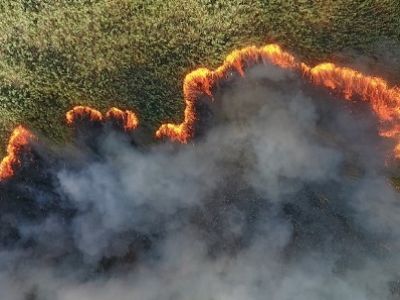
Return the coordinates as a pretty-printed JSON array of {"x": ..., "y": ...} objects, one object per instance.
[{"x": 283, "y": 195}]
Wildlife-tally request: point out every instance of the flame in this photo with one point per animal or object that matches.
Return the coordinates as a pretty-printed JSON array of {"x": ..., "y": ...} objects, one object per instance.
[
  {"x": 127, "y": 118},
  {"x": 202, "y": 80},
  {"x": 81, "y": 112},
  {"x": 350, "y": 84},
  {"x": 19, "y": 139},
  {"x": 383, "y": 99}
]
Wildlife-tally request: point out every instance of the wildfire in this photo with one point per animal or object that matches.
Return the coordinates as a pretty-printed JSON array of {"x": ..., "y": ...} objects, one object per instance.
[
  {"x": 19, "y": 140},
  {"x": 202, "y": 80},
  {"x": 127, "y": 119},
  {"x": 21, "y": 137},
  {"x": 83, "y": 112},
  {"x": 350, "y": 84}
]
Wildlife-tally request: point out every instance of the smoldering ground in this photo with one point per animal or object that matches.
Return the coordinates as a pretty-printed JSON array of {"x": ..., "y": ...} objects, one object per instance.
[{"x": 283, "y": 194}]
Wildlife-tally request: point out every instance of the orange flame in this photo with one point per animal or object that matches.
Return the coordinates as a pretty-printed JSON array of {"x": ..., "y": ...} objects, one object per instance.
[
  {"x": 127, "y": 118},
  {"x": 19, "y": 139},
  {"x": 384, "y": 100},
  {"x": 80, "y": 112},
  {"x": 202, "y": 80}
]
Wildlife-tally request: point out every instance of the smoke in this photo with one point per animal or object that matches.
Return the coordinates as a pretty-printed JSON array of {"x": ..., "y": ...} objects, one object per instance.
[{"x": 283, "y": 194}]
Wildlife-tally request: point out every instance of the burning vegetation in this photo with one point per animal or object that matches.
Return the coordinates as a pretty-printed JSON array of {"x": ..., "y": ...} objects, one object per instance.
[
  {"x": 127, "y": 119},
  {"x": 279, "y": 188},
  {"x": 22, "y": 137},
  {"x": 347, "y": 83},
  {"x": 83, "y": 112},
  {"x": 19, "y": 142}
]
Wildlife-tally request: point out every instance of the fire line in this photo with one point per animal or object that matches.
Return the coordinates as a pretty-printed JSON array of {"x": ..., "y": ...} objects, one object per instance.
[
  {"x": 21, "y": 137},
  {"x": 127, "y": 118},
  {"x": 349, "y": 83},
  {"x": 383, "y": 99}
]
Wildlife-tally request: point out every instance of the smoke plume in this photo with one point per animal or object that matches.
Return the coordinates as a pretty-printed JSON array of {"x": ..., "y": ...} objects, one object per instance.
[{"x": 282, "y": 194}]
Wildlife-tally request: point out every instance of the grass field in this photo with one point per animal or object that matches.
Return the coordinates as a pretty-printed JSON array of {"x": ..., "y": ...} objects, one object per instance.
[{"x": 132, "y": 54}]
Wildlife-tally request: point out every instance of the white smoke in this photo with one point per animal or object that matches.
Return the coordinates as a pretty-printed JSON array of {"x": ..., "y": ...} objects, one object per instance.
[{"x": 260, "y": 207}]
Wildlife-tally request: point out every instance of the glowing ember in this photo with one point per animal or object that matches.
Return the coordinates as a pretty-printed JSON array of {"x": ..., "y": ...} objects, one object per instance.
[
  {"x": 19, "y": 140},
  {"x": 127, "y": 118},
  {"x": 384, "y": 100}
]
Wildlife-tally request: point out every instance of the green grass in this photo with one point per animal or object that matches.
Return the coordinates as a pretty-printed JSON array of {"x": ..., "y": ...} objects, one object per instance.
[{"x": 132, "y": 54}]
